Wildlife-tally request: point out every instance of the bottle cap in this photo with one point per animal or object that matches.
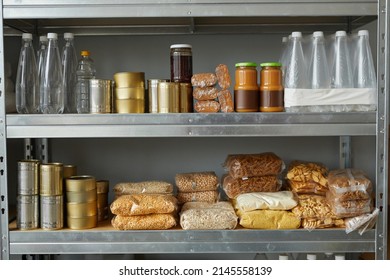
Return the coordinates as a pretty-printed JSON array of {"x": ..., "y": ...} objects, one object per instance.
[
  {"x": 246, "y": 64},
  {"x": 283, "y": 257},
  {"x": 296, "y": 34},
  {"x": 363, "y": 33},
  {"x": 271, "y": 64},
  {"x": 178, "y": 46},
  {"x": 339, "y": 257},
  {"x": 318, "y": 34},
  {"x": 43, "y": 38},
  {"x": 68, "y": 35},
  {"x": 84, "y": 53},
  {"x": 311, "y": 256},
  {"x": 27, "y": 36},
  {"x": 284, "y": 39},
  {"x": 341, "y": 33},
  {"x": 52, "y": 36}
]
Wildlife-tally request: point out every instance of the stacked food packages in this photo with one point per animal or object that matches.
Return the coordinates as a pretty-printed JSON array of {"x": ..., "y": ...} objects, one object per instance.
[{"x": 207, "y": 97}]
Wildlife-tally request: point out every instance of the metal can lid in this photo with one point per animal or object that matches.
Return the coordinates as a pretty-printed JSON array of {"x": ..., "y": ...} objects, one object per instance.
[
  {"x": 246, "y": 64},
  {"x": 271, "y": 64},
  {"x": 181, "y": 46}
]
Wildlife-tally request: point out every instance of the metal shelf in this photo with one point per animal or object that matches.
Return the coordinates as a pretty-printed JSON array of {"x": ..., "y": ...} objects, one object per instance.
[{"x": 190, "y": 125}]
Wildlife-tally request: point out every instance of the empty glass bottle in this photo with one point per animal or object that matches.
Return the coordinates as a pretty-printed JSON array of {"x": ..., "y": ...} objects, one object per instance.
[
  {"x": 26, "y": 86},
  {"x": 296, "y": 71},
  {"x": 341, "y": 74},
  {"x": 318, "y": 73},
  {"x": 69, "y": 67},
  {"x": 85, "y": 71},
  {"x": 364, "y": 70},
  {"x": 51, "y": 83}
]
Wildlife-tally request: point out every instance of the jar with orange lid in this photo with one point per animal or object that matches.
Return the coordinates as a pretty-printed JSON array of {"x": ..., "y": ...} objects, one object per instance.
[
  {"x": 246, "y": 89},
  {"x": 271, "y": 87}
]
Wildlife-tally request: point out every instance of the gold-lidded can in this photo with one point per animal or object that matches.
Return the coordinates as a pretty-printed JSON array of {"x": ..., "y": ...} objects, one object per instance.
[
  {"x": 186, "y": 100},
  {"x": 100, "y": 94},
  {"x": 82, "y": 223},
  {"x": 51, "y": 179},
  {"x": 52, "y": 212},
  {"x": 81, "y": 197},
  {"x": 80, "y": 183},
  {"x": 168, "y": 96},
  {"x": 28, "y": 177},
  {"x": 79, "y": 210},
  {"x": 129, "y": 79},
  {"x": 128, "y": 106}
]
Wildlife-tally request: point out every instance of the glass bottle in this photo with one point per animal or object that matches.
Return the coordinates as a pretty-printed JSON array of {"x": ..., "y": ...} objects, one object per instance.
[
  {"x": 181, "y": 63},
  {"x": 26, "y": 86},
  {"x": 319, "y": 76},
  {"x": 51, "y": 83},
  {"x": 296, "y": 67},
  {"x": 271, "y": 87},
  {"x": 85, "y": 71},
  {"x": 246, "y": 89},
  {"x": 341, "y": 74},
  {"x": 69, "y": 67},
  {"x": 364, "y": 71}
]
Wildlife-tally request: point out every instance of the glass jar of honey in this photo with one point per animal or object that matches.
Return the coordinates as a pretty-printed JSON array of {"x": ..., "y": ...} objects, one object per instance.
[
  {"x": 181, "y": 63},
  {"x": 246, "y": 89},
  {"x": 271, "y": 87}
]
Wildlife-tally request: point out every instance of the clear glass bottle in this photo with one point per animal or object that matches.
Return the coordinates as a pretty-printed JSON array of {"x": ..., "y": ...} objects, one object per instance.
[
  {"x": 318, "y": 71},
  {"x": 26, "y": 86},
  {"x": 364, "y": 71},
  {"x": 341, "y": 74},
  {"x": 51, "y": 83},
  {"x": 69, "y": 67},
  {"x": 85, "y": 71},
  {"x": 41, "y": 53},
  {"x": 296, "y": 71}
]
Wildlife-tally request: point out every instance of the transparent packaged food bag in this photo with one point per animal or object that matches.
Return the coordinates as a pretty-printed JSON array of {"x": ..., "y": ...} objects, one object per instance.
[
  {"x": 144, "y": 187},
  {"x": 361, "y": 223},
  {"x": 144, "y": 222},
  {"x": 283, "y": 200},
  {"x": 269, "y": 219},
  {"x": 197, "y": 181}
]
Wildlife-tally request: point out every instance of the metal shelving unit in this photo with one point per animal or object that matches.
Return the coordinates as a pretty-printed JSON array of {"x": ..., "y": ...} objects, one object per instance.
[{"x": 119, "y": 17}]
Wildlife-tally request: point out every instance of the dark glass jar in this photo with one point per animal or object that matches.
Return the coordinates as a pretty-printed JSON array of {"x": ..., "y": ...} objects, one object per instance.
[
  {"x": 271, "y": 87},
  {"x": 246, "y": 89},
  {"x": 181, "y": 63}
]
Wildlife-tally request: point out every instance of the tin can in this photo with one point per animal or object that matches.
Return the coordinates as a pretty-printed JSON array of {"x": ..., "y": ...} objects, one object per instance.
[
  {"x": 186, "y": 100},
  {"x": 81, "y": 197},
  {"x": 51, "y": 179},
  {"x": 52, "y": 215},
  {"x": 129, "y": 79},
  {"x": 102, "y": 186},
  {"x": 100, "y": 96},
  {"x": 69, "y": 171},
  {"x": 152, "y": 94},
  {"x": 168, "y": 96},
  {"x": 129, "y": 106},
  {"x": 28, "y": 177},
  {"x": 27, "y": 212},
  {"x": 80, "y": 183},
  {"x": 79, "y": 210},
  {"x": 102, "y": 214},
  {"x": 130, "y": 93},
  {"x": 82, "y": 223}
]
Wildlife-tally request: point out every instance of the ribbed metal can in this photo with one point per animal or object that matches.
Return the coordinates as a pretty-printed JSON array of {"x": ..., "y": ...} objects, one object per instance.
[
  {"x": 52, "y": 212},
  {"x": 27, "y": 212},
  {"x": 80, "y": 183},
  {"x": 28, "y": 177},
  {"x": 186, "y": 100},
  {"x": 168, "y": 95},
  {"x": 69, "y": 170},
  {"x": 51, "y": 179},
  {"x": 152, "y": 94},
  {"x": 100, "y": 96}
]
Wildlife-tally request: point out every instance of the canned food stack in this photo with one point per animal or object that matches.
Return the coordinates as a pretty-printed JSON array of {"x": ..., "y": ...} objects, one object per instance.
[
  {"x": 102, "y": 188},
  {"x": 28, "y": 195},
  {"x": 51, "y": 195},
  {"x": 197, "y": 187},
  {"x": 129, "y": 92},
  {"x": 81, "y": 205},
  {"x": 207, "y": 97}
]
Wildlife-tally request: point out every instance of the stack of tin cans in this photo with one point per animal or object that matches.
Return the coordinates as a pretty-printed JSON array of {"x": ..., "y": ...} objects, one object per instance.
[
  {"x": 129, "y": 93},
  {"x": 51, "y": 195},
  {"x": 28, "y": 195},
  {"x": 102, "y": 188},
  {"x": 81, "y": 205}
]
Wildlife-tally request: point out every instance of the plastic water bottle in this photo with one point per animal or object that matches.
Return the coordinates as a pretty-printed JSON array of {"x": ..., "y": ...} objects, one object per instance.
[
  {"x": 286, "y": 49},
  {"x": 319, "y": 76},
  {"x": 341, "y": 76},
  {"x": 296, "y": 71},
  {"x": 41, "y": 53},
  {"x": 51, "y": 83},
  {"x": 26, "y": 86},
  {"x": 85, "y": 71},
  {"x": 364, "y": 70},
  {"x": 69, "y": 67}
]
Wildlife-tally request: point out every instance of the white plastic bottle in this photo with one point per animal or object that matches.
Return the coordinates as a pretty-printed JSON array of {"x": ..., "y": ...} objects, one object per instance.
[
  {"x": 51, "y": 83},
  {"x": 26, "y": 85},
  {"x": 364, "y": 71},
  {"x": 85, "y": 71},
  {"x": 341, "y": 74},
  {"x": 296, "y": 71},
  {"x": 69, "y": 67},
  {"x": 318, "y": 71}
]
